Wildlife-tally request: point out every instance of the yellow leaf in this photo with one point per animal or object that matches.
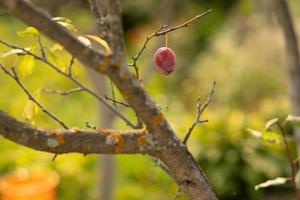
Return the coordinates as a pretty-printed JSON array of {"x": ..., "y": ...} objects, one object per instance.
[
  {"x": 29, "y": 111},
  {"x": 84, "y": 41},
  {"x": 29, "y": 31},
  {"x": 56, "y": 47},
  {"x": 56, "y": 61},
  {"x": 37, "y": 95},
  {"x": 26, "y": 64},
  {"x": 100, "y": 41}
]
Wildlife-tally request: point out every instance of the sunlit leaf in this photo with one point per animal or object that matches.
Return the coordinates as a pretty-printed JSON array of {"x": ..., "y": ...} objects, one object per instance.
[
  {"x": 272, "y": 182},
  {"x": 56, "y": 47},
  {"x": 255, "y": 133},
  {"x": 56, "y": 61},
  {"x": 100, "y": 41},
  {"x": 84, "y": 41},
  {"x": 11, "y": 52},
  {"x": 267, "y": 136},
  {"x": 29, "y": 31},
  {"x": 295, "y": 120},
  {"x": 31, "y": 108},
  {"x": 26, "y": 64},
  {"x": 271, "y": 123},
  {"x": 62, "y": 19},
  {"x": 272, "y": 137},
  {"x": 68, "y": 26}
]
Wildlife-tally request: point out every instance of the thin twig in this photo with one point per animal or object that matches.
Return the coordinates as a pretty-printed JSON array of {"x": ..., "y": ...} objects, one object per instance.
[
  {"x": 68, "y": 92},
  {"x": 73, "y": 79},
  {"x": 71, "y": 66},
  {"x": 114, "y": 95},
  {"x": 115, "y": 101},
  {"x": 162, "y": 30},
  {"x": 14, "y": 75},
  {"x": 200, "y": 110},
  {"x": 88, "y": 125},
  {"x": 288, "y": 154},
  {"x": 101, "y": 20},
  {"x": 41, "y": 47}
]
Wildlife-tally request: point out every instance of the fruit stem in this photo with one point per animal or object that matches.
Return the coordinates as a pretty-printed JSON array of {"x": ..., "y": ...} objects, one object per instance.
[{"x": 166, "y": 40}]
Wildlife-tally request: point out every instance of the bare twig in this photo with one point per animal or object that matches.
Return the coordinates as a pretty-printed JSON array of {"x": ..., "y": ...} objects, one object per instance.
[
  {"x": 73, "y": 79},
  {"x": 14, "y": 75},
  {"x": 62, "y": 92},
  {"x": 102, "y": 22},
  {"x": 114, "y": 95},
  {"x": 200, "y": 110},
  {"x": 71, "y": 64},
  {"x": 115, "y": 101},
  {"x": 88, "y": 125},
  {"x": 288, "y": 154},
  {"x": 162, "y": 30},
  {"x": 41, "y": 47}
]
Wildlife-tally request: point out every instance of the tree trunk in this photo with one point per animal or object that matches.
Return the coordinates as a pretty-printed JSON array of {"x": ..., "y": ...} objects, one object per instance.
[{"x": 293, "y": 58}]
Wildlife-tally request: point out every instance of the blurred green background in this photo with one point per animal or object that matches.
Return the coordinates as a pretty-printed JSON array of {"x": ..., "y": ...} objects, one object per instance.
[{"x": 239, "y": 45}]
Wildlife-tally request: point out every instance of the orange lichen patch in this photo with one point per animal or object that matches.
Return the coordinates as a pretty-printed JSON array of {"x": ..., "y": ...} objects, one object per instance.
[
  {"x": 142, "y": 130},
  {"x": 104, "y": 64},
  {"x": 60, "y": 138},
  {"x": 119, "y": 140},
  {"x": 105, "y": 130},
  {"x": 157, "y": 119},
  {"x": 142, "y": 141}
]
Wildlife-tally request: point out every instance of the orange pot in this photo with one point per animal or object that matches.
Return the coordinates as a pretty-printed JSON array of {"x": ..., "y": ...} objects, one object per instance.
[{"x": 29, "y": 185}]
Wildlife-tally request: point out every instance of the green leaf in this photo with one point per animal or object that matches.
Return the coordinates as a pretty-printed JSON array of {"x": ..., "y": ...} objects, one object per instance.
[
  {"x": 56, "y": 61},
  {"x": 30, "y": 31},
  {"x": 272, "y": 182},
  {"x": 267, "y": 136},
  {"x": 56, "y": 47},
  {"x": 37, "y": 95},
  {"x": 271, "y": 123},
  {"x": 31, "y": 108},
  {"x": 295, "y": 120},
  {"x": 272, "y": 137},
  {"x": 26, "y": 64},
  {"x": 62, "y": 19}
]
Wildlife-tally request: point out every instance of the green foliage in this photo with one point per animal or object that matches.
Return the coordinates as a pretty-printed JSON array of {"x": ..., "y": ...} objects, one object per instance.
[{"x": 29, "y": 31}]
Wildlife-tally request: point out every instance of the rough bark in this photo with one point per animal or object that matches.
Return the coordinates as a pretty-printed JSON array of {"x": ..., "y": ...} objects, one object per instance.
[
  {"x": 168, "y": 148},
  {"x": 101, "y": 141},
  {"x": 293, "y": 57}
]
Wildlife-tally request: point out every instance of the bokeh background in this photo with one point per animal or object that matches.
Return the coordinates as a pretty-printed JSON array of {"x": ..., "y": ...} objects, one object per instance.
[{"x": 239, "y": 45}]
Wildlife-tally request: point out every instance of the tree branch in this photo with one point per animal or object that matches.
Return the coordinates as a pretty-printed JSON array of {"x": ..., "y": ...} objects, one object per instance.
[
  {"x": 183, "y": 167},
  {"x": 101, "y": 141}
]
